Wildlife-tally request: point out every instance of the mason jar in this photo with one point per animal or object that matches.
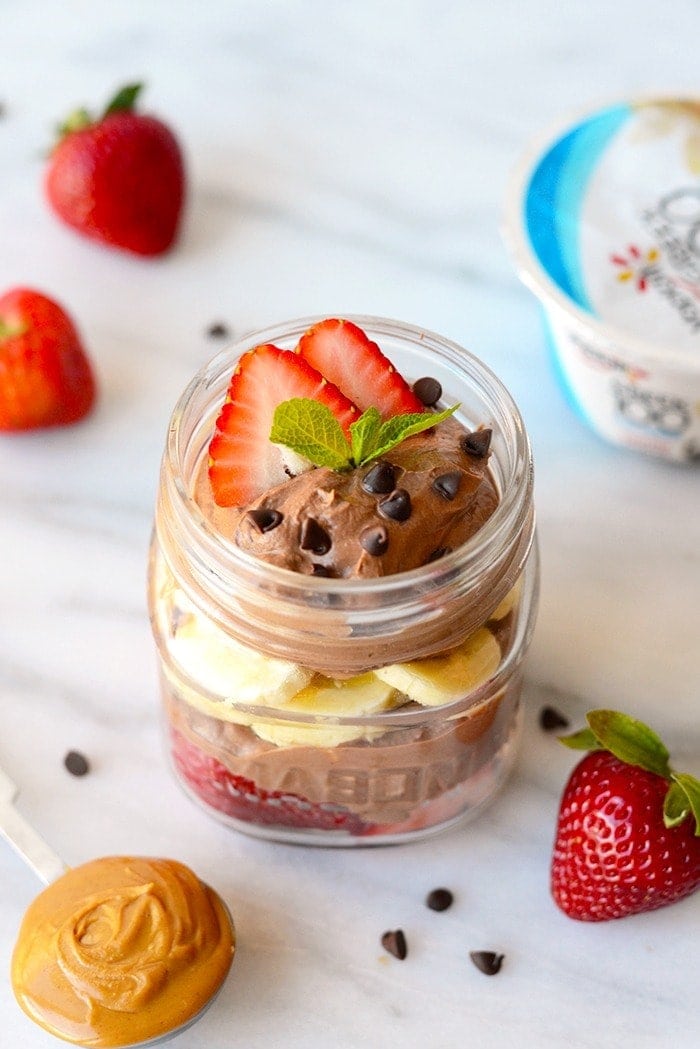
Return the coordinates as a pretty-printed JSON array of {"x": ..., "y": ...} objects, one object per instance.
[{"x": 263, "y": 670}]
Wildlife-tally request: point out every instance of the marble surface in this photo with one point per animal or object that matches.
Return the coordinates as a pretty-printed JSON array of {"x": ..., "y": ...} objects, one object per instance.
[{"x": 342, "y": 158}]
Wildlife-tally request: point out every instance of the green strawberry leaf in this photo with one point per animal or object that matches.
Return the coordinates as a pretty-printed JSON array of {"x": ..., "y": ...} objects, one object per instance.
[
  {"x": 581, "y": 740},
  {"x": 399, "y": 427},
  {"x": 78, "y": 120},
  {"x": 364, "y": 432},
  {"x": 630, "y": 740},
  {"x": 125, "y": 99},
  {"x": 310, "y": 428},
  {"x": 689, "y": 787}
]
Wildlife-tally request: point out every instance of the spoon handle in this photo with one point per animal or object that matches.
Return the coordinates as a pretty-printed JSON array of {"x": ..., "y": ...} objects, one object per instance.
[{"x": 24, "y": 839}]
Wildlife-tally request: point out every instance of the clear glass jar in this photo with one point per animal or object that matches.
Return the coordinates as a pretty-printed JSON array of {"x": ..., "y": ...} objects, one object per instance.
[{"x": 242, "y": 643}]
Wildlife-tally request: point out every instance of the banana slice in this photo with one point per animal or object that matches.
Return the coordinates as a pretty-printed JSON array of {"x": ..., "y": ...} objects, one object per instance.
[
  {"x": 509, "y": 601},
  {"x": 360, "y": 695},
  {"x": 233, "y": 671},
  {"x": 442, "y": 679}
]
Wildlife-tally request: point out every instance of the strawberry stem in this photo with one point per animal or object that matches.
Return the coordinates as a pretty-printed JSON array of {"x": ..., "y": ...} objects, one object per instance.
[
  {"x": 78, "y": 120},
  {"x": 124, "y": 100}
]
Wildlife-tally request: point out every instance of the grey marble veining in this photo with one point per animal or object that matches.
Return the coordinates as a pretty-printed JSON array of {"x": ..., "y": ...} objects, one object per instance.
[{"x": 342, "y": 158}]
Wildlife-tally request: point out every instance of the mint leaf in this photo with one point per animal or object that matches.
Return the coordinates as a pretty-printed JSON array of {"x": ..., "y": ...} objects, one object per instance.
[
  {"x": 630, "y": 740},
  {"x": 364, "y": 432},
  {"x": 398, "y": 428},
  {"x": 690, "y": 787},
  {"x": 676, "y": 806},
  {"x": 311, "y": 429}
]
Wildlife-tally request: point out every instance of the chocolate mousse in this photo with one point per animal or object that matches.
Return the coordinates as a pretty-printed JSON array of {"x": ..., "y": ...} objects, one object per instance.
[{"x": 428, "y": 496}]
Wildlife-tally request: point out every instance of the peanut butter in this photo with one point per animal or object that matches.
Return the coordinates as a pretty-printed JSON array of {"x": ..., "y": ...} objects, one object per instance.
[{"x": 121, "y": 950}]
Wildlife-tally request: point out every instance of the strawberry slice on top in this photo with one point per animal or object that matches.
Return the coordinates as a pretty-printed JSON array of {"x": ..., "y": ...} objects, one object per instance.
[
  {"x": 243, "y": 462},
  {"x": 348, "y": 358}
]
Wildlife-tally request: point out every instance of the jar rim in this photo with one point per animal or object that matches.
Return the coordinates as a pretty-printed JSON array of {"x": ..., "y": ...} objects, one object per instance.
[{"x": 513, "y": 502}]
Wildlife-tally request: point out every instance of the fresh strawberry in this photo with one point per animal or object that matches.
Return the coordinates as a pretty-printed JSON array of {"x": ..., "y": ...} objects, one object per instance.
[
  {"x": 627, "y": 837},
  {"x": 243, "y": 463},
  {"x": 342, "y": 352},
  {"x": 240, "y": 798},
  {"x": 120, "y": 178},
  {"x": 45, "y": 376}
]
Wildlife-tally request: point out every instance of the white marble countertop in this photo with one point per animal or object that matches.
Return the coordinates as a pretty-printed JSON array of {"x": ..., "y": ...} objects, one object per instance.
[{"x": 342, "y": 158}]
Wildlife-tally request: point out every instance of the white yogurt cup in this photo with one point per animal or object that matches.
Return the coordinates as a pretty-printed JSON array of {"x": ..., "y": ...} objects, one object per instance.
[{"x": 603, "y": 221}]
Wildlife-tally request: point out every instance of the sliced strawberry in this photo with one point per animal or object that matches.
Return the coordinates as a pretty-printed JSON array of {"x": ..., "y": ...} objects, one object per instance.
[
  {"x": 240, "y": 798},
  {"x": 243, "y": 463},
  {"x": 342, "y": 352}
]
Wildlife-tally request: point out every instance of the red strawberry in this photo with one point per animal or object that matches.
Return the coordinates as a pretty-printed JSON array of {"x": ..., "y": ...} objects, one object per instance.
[
  {"x": 626, "y": 841},
  {"x": 342, "y": 352},
  {"x": 243, "y": 463},
  {"x": 119, "y": 179},
  {"x": 240, "y": 798},
  {"x": 45, "y": 377}
]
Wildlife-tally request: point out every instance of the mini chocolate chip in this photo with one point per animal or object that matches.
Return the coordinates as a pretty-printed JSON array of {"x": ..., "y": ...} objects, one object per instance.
[
  {"x": 380, "y": 480},
  {"x": 477, "y": 443},
  {"x": 265, "y": 518},
  {"x": 314, "y": 537},
  {"x": 76, "y": 763},
  {"x": 487, "y": 962},
  {"x": 439, "y": 899},
  {"x": 323, "y": 571},
  {"x": 218, "y": 331},
  {"x": 427, "y": 390},
  {"x": 552, "y": 719},
  {"x": 375, "y": 540},
  {"x": 447, "y": 485},
  {"x": 397, "y": 506},
  {"x": 395, "y": 943},
  {"x": 439, "y": 552}
]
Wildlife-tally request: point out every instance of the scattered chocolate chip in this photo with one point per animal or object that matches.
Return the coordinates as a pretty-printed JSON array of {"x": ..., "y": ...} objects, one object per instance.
[
  {"x": 323, "y": 571},
  {"x": 487, "y": 962},
  {"x": 395, "y": 943},
  {"x": 447, "y": 485},
  {"x": 265, "y": 518},
  {"x": 314, "y": 537},
  {"x": 439, "y": 552},
  {"x": 477, "y": 443},
  {"x": 427, "y": 390},
  {"x": 439, "y": 899},
  {"x": 375, "y": 540},
  {"x": 380, "y": 480},
  {"x": 397, "y": 506},
  {"x": 218, "y": 331},
  {"x": 552, "y": 719},
  {"x": 76, "y": 763}
]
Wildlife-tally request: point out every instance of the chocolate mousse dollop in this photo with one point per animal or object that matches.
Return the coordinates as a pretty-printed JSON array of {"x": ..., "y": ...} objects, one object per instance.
[{"x": 426, "y": 497}]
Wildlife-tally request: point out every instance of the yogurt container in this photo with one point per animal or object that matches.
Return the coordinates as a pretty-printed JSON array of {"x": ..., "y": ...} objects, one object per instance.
[{"x": 603, "y": 222}]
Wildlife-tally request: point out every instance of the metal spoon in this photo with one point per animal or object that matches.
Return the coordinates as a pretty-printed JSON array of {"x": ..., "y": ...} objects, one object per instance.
[{"x": 48, "y": 866}]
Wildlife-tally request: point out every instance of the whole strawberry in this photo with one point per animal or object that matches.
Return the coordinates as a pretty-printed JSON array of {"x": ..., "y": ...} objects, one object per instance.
[
  {"x": 119, "y": 178},
  {"x": 628, "y": 833},
  {"x": 45, "y": 376}
]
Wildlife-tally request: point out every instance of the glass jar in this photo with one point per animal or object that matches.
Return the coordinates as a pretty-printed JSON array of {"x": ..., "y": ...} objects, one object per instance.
[{"x": 243, "y": 644}]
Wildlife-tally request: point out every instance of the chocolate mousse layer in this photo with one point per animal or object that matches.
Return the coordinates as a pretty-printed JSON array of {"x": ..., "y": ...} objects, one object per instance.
[{"x": 428, "y": 496}]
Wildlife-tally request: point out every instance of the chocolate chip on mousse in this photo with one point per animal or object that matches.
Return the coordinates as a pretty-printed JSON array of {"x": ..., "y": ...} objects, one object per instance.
[
  {"x": 427, "y": 390},
  {"x": 265, "y": 518},
  {"x": 477, "y": 443},
  {"x": 314, "y": 537},
  {"x": 322, "y": 571},
  {"x": 394, "y": 942},
  {"x": 397, "y": 506},
  {"x": 487, "y": 962},
  {"x": 380, "y": 480},
  {"x": 374, "y": 539},
  {"x": 447, "y": 485}
]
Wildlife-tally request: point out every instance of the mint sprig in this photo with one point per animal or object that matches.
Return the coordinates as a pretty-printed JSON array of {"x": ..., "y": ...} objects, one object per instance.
[
  {"x": 310, "y": 429},
  {"x": 635, "y": 743}
]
